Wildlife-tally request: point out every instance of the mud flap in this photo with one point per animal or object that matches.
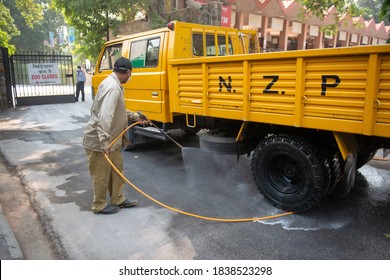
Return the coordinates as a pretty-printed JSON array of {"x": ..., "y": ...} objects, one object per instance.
[
  {"x": 348, "y": 147},
  {"x": 348, "y": 180}
]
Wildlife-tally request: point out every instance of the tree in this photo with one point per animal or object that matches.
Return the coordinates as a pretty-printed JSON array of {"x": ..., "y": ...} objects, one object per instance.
[
  {"x": 30, "y": 12},
  {"x": 385, "y": 11},
  {"x": 319, "y": 8},
  {"x": 34, "y": 35},
  {"x": 373, "y": 9},
  {"x": 100, "y": 17},
  {"x": 155, "y": 11},
  {"x": 7, "y": 28},
  {"x": 93, "y": 20}
]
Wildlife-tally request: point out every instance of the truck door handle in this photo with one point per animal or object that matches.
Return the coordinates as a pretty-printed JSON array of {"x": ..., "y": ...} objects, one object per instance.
[{"x": 154, "y": 94}]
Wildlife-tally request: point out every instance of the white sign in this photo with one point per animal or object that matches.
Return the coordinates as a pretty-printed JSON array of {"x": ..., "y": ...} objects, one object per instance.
[
  {"x": 255, "y": 20},
  {"x": 354, "y": 38},
  {"x": 297, "y": 27},
  {"x": 277, "y": 24},
  {"x": 43, "y": 74},
  {"x": 314, "y": 30},
  {"x": 343, "y": 36}
]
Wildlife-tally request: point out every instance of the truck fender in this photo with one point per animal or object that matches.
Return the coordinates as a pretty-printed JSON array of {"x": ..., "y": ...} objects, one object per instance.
[{"x": 347, "y": 143}]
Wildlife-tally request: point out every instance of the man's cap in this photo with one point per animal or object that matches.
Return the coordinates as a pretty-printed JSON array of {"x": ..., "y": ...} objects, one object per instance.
[{"x": 122, "y": 65}]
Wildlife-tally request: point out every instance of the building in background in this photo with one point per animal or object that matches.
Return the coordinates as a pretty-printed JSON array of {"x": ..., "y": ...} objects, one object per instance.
[{"x": 278, "y": 23}]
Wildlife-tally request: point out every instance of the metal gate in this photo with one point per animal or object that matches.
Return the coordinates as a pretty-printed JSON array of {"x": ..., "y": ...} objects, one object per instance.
[
  {"x": 5, "y": 80},
  {"x": 42, "y": 79}
]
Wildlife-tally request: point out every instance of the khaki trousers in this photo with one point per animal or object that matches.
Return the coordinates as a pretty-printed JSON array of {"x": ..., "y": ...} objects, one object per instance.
[{"x": 105, "y": 179}]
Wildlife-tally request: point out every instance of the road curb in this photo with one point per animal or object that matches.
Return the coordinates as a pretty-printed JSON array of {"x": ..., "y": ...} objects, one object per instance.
[{"x": 9, "y": 246}]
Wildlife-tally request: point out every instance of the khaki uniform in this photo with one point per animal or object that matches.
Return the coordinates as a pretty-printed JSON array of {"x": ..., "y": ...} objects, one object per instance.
[
  {"x": 105, "y": 179},
  {"x": 108, "y": 119}
]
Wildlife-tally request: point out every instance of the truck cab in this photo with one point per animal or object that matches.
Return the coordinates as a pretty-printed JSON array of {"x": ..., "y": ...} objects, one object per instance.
[{"x": 150, "y": 52}]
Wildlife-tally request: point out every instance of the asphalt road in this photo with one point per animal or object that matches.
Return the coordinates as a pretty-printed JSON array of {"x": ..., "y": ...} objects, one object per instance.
[{"x": 43, "y": 143}]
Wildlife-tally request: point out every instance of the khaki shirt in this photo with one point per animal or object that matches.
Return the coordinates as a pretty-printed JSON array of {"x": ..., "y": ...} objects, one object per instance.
[{"x": 108, "y": 116}]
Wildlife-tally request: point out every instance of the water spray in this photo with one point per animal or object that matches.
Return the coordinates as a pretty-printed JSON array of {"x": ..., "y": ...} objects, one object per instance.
[{"x": 216, "y": 219}]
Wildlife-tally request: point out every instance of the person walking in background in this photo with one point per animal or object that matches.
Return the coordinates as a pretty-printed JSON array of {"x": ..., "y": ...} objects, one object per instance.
[
  {"x": 109, "y": 118},
  {"x": 80, "y": 80}
]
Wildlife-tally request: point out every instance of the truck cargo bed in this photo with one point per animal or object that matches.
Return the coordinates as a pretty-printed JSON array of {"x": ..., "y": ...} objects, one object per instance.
[{"x": 342, "y": 89}]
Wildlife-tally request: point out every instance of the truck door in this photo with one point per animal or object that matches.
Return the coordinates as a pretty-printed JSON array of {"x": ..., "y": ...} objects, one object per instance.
[{"x": 144, "y": 90}]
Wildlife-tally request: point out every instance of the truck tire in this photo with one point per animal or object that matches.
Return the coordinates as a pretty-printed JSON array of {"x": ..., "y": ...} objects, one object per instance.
[
  {"x": 288, "y": 172},
  {"x": 217, "y": 141}
]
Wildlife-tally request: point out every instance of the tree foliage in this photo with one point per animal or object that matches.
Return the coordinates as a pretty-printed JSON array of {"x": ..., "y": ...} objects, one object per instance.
[
  {"x": 30, "y": 13},
  {"x": 30, "y": 10},
  {"x": 25, "y": 24},
  {"x": 8, "y": 28},
  {"x": 385, "y": 11},
  {"x": 93, "y": 19},
  {"x": 319, "y": 8},
  {"x": 99, "y": 17},
  {"x": 155, "y": 10},
  {"x": 373, "y": 9},
  {"x": 34, "y": 35}
]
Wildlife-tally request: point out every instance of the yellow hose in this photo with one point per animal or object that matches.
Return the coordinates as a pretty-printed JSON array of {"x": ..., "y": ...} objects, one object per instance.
[
  {"x": 227, "y": 220},
  {"x": 381, "y": 159}
]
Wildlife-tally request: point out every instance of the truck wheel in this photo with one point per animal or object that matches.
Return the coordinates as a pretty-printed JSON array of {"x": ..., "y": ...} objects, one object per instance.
[
  {"x": 217, "y": 141},
  {"x": 288, "y": 172}
]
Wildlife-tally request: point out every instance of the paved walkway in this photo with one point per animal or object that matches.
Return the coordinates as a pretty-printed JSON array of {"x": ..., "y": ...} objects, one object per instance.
[{"x": 9, "y": 246}]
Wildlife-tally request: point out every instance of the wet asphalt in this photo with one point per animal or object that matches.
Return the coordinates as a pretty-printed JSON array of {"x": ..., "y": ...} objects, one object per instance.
[{"x": 44, "y": 143}]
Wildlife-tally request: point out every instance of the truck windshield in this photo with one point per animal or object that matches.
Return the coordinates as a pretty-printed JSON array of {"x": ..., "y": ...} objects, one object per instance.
[
  {"x": 111, "y": 53},
  {"x": 211, "y": 46}
]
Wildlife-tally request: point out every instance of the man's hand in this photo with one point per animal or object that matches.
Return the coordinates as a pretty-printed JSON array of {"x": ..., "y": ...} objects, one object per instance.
[
  {"x": 106, "y": 152},
  {"x": 144, "y": 121},
  {"x": 139, "y": 117}
]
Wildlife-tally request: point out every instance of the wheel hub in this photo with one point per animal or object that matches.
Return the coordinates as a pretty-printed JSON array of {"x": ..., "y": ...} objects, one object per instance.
[
  {"x": 290, "y": 171},
  {"x": 284, "y": 173}
]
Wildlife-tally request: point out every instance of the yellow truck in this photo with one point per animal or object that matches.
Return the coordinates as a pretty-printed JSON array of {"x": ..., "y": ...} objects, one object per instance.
[{"x": 308, "y": 119}]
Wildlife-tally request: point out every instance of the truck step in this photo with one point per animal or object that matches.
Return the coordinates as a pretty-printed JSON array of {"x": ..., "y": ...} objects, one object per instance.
[{"x": 151, "y": 132}]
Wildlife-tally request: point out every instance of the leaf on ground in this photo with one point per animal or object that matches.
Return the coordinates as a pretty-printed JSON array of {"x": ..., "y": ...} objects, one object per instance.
[{"x": 387, "y": 235}]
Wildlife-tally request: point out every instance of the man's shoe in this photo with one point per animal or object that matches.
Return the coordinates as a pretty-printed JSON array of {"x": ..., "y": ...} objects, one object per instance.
[
  {"x": 109, "y": 209},
  {"x": 128, "y": 203}
]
